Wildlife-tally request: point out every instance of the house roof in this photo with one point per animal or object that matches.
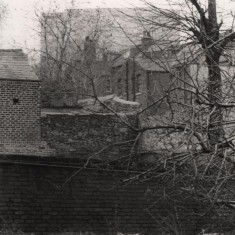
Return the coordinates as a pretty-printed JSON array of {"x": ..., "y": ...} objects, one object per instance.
[
  {"x": 14, "y": 66},
  {"x": 152, "y": 65},
  {"x": 190, "y": 53},
  {"x": 153, "y": 62},
  {"x": 193, "y": 53}
]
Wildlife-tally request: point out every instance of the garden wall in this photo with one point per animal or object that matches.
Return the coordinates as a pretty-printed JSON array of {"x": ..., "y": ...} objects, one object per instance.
[
  {"x": 37, "y": 199},
  {"x": 80, "y": 136}
]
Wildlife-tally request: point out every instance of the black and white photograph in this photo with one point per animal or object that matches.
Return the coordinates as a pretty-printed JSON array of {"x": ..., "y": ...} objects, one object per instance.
[{"x": 117, "y": 117}]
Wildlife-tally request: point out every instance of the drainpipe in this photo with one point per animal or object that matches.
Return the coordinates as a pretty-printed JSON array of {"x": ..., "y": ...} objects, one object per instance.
[
  {"x": 148, "y": 87},
  {"x": 127, "y": 80},
  {"x": 134, "y": 80}
]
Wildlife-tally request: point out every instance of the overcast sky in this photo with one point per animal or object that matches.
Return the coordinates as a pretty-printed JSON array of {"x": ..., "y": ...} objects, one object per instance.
[{"x": 17, "y": 29}]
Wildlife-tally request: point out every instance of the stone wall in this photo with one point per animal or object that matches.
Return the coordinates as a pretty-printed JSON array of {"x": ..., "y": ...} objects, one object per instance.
[
  {"x": 76, "y": 135},
  {"x": 20, "y": 111}
]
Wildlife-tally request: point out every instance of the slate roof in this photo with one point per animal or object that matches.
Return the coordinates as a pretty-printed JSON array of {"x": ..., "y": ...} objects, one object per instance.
[
  {"x": 193, "y": 53},
  {"x": 153, "y": 65},
  {"x": 14, "y": 66},
  {"x": 190, "y": 54},
  {"x": 147, "y": 64}
]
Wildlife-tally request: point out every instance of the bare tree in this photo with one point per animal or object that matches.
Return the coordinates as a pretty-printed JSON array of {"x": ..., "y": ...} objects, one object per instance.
[
  {"x": 192, "y": 140},
  {"x": 187, "y": 148},
  {"x": 73, "y": 47}
]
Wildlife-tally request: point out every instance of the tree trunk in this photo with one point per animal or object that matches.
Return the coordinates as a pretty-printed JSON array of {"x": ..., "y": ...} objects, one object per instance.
[
  {"x": 213, "y": 53},
  {"x": 215, "y": 129}
]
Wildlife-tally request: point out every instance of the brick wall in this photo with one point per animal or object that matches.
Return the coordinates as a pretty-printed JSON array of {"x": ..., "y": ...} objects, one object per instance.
[
  {"x": 20, "y": 111},
  {"x": 45, "y": 198},
  {"x": 33, "y": 199},
  {"x": 146, "y": 88},
  {"x": 81, "y": 136}
]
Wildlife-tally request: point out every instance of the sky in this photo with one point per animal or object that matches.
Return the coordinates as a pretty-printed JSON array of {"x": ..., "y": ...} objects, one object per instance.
[
  {"x": 19, "y": 29},
  {"x": 19, "y": 26}
]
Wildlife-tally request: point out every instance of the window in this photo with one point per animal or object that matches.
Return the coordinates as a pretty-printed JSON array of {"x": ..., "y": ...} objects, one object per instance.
[
  {"x": 119, "y": 87},
  {"x": 108, "y": 84},
  {"x": 136, "y": 84}
]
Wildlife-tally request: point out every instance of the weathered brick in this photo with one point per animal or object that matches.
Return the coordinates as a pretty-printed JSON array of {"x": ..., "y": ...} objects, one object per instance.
[
  {"x": 21, "y": 111},
  {"x": 60, "y": 210}
]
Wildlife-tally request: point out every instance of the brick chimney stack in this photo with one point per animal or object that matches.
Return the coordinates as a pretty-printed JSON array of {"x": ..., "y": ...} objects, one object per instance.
[{"x": 147, "y": 39}]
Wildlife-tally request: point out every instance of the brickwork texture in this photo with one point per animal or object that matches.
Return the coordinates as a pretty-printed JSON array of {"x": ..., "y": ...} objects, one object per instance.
[
  {"x": 37, "y": 199},
  {"x": 19, "y": 111}
]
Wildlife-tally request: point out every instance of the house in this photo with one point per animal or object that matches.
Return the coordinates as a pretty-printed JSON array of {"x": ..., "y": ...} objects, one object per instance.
[
  {"x": 191, "y": 71},
  {"x": 142, "y": 73}
]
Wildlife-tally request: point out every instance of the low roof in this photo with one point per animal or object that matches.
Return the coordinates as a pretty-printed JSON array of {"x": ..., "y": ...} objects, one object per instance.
[
  {"x": 119, "y": 61},
  {"x": 14, "y": 66}
]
